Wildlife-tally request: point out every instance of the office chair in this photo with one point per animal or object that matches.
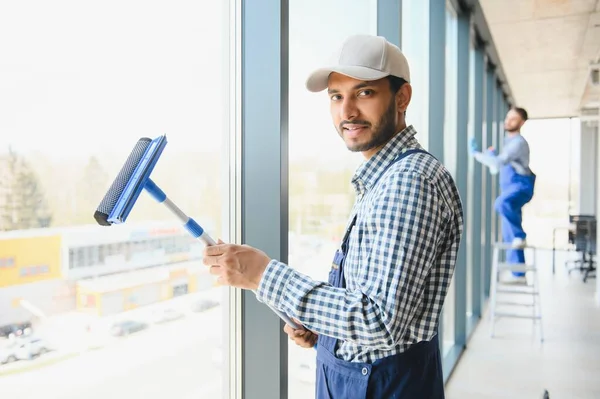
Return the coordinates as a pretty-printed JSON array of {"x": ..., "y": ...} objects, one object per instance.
[{"x": 583, "y": 237}]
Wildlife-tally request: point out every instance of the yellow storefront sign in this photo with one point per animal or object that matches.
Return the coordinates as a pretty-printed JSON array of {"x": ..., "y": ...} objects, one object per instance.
[{"x": 31, "y": 259}]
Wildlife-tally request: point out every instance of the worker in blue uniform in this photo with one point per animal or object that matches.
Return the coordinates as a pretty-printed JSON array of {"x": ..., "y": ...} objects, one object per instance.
[
  {"x": 517, "y": 182},
  {"x": 375, "y": 321}
]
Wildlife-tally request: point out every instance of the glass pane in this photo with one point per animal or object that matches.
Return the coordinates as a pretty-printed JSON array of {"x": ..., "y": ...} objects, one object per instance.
[
  {"x": 548, "y": 139},
  {"x": 321, "y": 167},
  {"x": 127, "y": 311},
  {"x": 415, "y": 16},
  {"x": 450, "y": 138}
]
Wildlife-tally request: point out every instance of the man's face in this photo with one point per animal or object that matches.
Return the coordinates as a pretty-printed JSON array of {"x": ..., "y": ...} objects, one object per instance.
[
  {"x": 364, "y": 113},
  {"x": 513, "y": 121}
]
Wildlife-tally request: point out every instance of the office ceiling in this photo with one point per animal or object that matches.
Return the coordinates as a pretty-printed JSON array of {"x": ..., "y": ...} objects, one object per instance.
[{"x": 546, "y": 48}]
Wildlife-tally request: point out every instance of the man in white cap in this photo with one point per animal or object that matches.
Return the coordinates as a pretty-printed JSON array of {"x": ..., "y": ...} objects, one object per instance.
[{"x": 375, "y": 321}]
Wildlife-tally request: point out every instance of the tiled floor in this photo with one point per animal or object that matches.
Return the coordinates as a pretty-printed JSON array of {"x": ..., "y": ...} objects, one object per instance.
[{"x": 515, "y": 364}]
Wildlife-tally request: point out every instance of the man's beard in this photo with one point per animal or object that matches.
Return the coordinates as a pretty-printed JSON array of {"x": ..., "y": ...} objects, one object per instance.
[{"x": 384, "y": 130}]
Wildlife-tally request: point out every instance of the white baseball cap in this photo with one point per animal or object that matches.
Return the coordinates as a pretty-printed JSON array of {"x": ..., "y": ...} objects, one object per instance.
[{"x": 362, "y": 57}]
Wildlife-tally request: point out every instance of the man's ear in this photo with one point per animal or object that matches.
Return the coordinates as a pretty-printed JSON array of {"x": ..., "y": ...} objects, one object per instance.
[{"x": 403, "y": 96}]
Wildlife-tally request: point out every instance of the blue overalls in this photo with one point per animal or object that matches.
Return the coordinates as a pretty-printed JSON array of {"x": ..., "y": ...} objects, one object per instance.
[
  {"x": 413, "y": 374},
  {"x": 515, "y": 191}
]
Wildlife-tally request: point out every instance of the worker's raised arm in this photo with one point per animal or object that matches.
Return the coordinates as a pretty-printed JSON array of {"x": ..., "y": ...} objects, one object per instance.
[{"x": 511, "y": 152}]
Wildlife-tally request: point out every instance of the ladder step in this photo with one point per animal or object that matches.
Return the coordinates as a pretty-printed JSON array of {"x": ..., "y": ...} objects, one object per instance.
[
  {"x": 517, "y": 292},
  {"x": 516, "y": 315},
  {"x": 506, "y": 245},
  {"x": 515, "y": 284},
  {"x": 519, "y": 267},
  {"x": 514, "y": 303}
]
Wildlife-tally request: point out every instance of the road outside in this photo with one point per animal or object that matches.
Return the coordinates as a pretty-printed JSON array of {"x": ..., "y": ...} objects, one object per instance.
[{"x": 177, "y": 359}]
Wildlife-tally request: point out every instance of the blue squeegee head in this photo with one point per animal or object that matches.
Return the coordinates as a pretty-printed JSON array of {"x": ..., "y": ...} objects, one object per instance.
[{"x": 116, "y": 189}]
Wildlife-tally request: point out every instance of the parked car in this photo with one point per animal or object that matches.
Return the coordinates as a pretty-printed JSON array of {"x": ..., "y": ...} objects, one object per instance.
[
  {"x": 127, "y": 327},
  {"x": 8, "y": 353},
  {"x": 15, "y": 329},
  {"x": 204, "y": 304},
  {"x": 28, "y": 348},
  {"x": 166, "y": 315}
]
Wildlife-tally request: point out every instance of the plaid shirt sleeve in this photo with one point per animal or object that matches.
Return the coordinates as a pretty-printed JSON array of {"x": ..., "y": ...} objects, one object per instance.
[{"x": 401, "y": 234}]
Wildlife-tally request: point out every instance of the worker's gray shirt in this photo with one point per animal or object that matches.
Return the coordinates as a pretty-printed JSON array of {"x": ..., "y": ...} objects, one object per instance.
[{"x": 514, "y": 152}]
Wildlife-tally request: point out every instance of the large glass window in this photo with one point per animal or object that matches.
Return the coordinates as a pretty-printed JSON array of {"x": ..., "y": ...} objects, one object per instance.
[
  {"x": 321, "y": 167},
  {"x": 415, "y": 16},
  {"x": 125, "y": 311},
  {"x": 549, "y": 141},
  {"x": 450, "y": 138}
]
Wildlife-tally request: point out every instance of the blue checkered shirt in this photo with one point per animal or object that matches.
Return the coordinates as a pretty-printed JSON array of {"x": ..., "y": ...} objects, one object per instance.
[{"x": 400, "y": 259}]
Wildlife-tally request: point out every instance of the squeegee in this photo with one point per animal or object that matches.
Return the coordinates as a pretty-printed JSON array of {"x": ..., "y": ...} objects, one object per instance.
[{"x": 135, "y": 177}]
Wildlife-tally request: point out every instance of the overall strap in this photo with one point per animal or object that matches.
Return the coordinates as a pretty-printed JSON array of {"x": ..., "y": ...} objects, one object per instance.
[
  {"x": 346, "y": 238},
  {"x": 401, "y": 157},
  {"x": 407, "y": 153}
]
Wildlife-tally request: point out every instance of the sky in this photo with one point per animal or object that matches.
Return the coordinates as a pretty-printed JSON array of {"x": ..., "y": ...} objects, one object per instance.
[{"x": 78, "y": 78}]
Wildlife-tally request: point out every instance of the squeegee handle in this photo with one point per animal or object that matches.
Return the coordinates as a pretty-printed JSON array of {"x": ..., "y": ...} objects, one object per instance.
[
  {"x": 195, "y": 230},
  {"x": 209, "y": 241}
]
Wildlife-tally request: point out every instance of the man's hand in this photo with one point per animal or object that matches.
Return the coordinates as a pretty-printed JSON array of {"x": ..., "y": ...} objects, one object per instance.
[
  {"x": 302, "y": 337},
  {"x": 236, "y": 265},
  {"x": 473, "y": 147}
]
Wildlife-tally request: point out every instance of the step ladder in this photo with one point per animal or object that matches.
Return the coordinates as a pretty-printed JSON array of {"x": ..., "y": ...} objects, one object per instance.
[{"x": 501, "y": 292}]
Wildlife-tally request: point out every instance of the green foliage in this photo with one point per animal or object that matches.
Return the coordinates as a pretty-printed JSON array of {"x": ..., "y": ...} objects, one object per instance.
[
  {"x": 23, "y": 203},
  {"x": 90, "y": 189}
]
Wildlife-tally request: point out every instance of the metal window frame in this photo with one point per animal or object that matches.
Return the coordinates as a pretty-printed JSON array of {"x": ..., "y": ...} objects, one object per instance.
[
  {"x": 490, "y": 88},
  {"x": 389, "y": 20},
  {"x": 462, "y": 167},
  {"x": 461, "y": 173},
  {"x": 437, "y": 75},
  {"x": 476, "y": 170},
  {"x": 494, "y": 178},
  {"x": 264, "y": 186},
  {"x": 499, "y": 143},
  {"x": 232, "y": 323}
]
